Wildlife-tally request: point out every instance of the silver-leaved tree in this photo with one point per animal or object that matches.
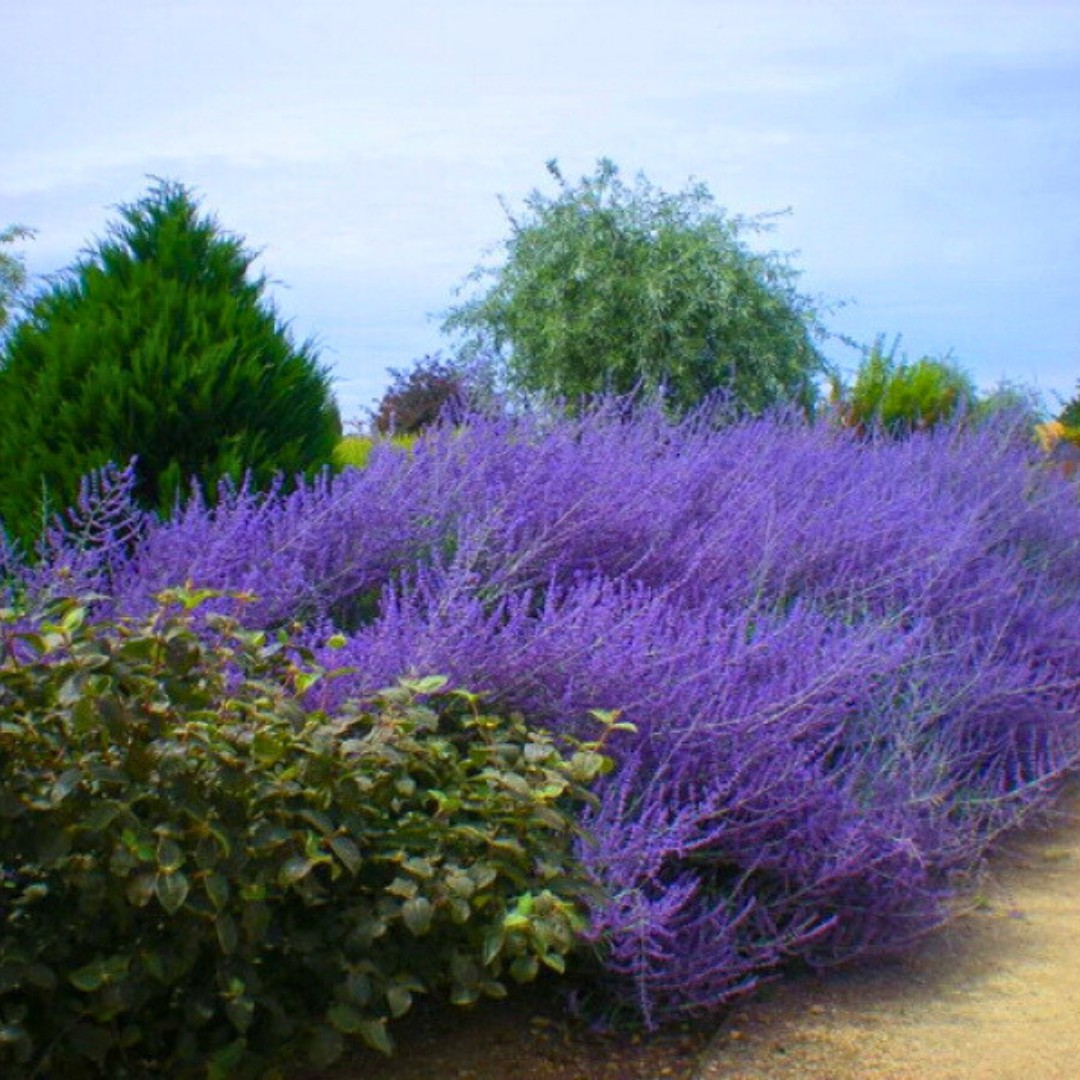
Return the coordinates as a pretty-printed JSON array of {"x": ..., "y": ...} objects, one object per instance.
[{"x": 611, "y": 288}]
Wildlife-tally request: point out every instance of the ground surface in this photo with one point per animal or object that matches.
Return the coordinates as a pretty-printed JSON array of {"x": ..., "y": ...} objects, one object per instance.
[{"x": 996, "y": 996}]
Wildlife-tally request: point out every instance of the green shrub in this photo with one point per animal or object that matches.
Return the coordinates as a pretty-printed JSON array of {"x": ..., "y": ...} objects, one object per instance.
[
  {"x": 1070, "y": 412},
  {"x": 158, "y": 344},
  {"x": 353, "y": 451},
  {"x": 200, "y": 877},
  {"x": 900, "y": 396}
]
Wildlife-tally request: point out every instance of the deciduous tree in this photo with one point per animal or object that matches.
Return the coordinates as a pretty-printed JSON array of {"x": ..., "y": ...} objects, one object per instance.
[{"x": 607, "y": 287}]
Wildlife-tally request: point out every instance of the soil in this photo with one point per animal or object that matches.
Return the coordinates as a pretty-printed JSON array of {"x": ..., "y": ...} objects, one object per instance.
[{"x": 993, "y": 996}]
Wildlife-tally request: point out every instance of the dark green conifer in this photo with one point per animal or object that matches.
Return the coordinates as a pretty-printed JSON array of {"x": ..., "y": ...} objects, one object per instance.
[{"x": 158, "y": 343}]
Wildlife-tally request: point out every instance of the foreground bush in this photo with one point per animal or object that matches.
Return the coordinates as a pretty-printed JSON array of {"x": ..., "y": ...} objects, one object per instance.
[
  {"x": 851, "y": 662},
  {"x": 199, "y": 877}
]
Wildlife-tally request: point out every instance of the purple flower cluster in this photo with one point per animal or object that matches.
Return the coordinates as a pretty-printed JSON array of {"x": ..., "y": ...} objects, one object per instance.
[{"x": 850, "y": 663}]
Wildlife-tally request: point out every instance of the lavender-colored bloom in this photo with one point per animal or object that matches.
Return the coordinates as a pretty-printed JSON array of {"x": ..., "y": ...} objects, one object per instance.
[{"x": 850, "y": 663}]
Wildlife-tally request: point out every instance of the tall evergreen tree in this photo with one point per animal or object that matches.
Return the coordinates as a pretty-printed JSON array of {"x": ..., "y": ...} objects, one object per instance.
[{"x": 160, "y": 344}]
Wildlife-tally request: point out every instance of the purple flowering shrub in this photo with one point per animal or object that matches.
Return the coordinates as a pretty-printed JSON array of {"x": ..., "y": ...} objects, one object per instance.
[{"x": 850, "y": 663}]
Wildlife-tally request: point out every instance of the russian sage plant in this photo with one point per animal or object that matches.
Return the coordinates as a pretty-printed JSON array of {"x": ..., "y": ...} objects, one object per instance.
[{"x": 850, "y": 662}]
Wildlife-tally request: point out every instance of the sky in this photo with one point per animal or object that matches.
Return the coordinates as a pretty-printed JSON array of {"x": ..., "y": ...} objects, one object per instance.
[{"x": 929, "y": 153}]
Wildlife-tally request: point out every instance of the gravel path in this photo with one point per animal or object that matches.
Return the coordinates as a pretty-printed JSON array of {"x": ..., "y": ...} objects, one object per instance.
[{"x": 996, "y": 996}]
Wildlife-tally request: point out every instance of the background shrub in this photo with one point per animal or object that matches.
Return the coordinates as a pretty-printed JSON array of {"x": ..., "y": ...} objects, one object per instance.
[
  {"x": 200, "y": 877},
  {"x": 900, "y": 396},
  {"x": 417, "y": 398},
  {"x": 158, "y": 345},
  {"x": 353, "y": 451},
  {"x": 1069, "y": 417}
]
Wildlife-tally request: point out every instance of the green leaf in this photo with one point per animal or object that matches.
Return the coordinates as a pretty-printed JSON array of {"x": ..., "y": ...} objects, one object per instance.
[
  {"x": 347, "y": 852},
  {"x": 524, "y": 969},
  {"x": 403, "y": 887},
  {"x": 141, "y": 888},
  {"x": 217, "y": 889},
  {"x": 240, "y": 1012},
  {"x": 318, "y": 820},
  {"x": 555, "y": 961},
  {"x": 100, "y": 817},
  {"x": 399, "y": 1001},
  {"x": 430, "y": 684},
  {"x": 256, "y": 921},
  {"x": 169, "y": 855},
  {"x": 358, "y": 987},
  {"x": 227, "y": 934},
  {"x": 515, "y": 921},
  {"x": 305, "y": 680},
  {"x": 460, "y": 884},
  {"x": 326, "y": 1046},
  {"x": 374, "y": 1033},
  {"x": 493, "y": 945},
  {"x": 172, "y": 891},
  {"x": 41, "y": 975},
  {"x": 460, "y": 910},
  {"x": 88, "y": 978},
  {"x": 464, "y": 995},
  {"x": 64, "y": 785},
  {"x": 345, "y": 1018},
  {"x": 223, "y": 1064},
  {"x": 294, "y": 869},
  {"x": 420, "y": 868},
  {"x": 266, "y": 749},
  {"x": 514, "y": 782},
  {"x": 416, "y": 914}
]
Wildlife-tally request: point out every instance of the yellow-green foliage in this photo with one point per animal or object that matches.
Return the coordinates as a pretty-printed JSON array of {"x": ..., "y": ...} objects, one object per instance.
[
  {"x": 353, "y": 451},
  {"x": 1061, "y": 444},
  {"x": 900, "y": 396}
]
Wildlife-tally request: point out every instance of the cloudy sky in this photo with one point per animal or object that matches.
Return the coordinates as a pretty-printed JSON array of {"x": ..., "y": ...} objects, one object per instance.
[{"x": 929, "y": 151}]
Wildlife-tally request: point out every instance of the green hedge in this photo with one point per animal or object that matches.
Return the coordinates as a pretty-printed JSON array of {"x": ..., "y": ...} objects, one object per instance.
[{"x": 200, "y": 877}]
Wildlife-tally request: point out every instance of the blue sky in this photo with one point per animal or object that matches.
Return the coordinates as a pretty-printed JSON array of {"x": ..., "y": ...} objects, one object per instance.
[{"x": 929, "y": 152}]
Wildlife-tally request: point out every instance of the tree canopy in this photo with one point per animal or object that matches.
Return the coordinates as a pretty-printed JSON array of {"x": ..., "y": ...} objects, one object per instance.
[
  {"x": 160, "y": 344},
  {"x": 12, "y": 273},
  {"x": 608, "y": 287}
]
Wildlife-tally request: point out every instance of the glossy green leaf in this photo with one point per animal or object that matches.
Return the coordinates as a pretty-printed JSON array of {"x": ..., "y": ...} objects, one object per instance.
[
  {"x": 345, "y": 1018},
  {"x": 141, "y": 888},
  {"x": 171, "y": 890},
  {"x": 217, "y": 889},
  {"x": 326, "y": 1046},
  {"x": 227, "y": 933},
  {"x": 347, "y": 851},
  {"x": 398, "y": 1000},
  {"x": 294, "y": 869},
  {"x": 417, "y": 914},
  {"x": 170, "y": 857}
]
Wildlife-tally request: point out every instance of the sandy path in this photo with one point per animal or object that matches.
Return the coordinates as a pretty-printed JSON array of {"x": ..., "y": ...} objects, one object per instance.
[{"x": 996, "y": 996}]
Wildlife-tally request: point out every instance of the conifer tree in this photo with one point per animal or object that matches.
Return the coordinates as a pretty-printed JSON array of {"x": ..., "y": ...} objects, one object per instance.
[{"x": 160, "y": 344}]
